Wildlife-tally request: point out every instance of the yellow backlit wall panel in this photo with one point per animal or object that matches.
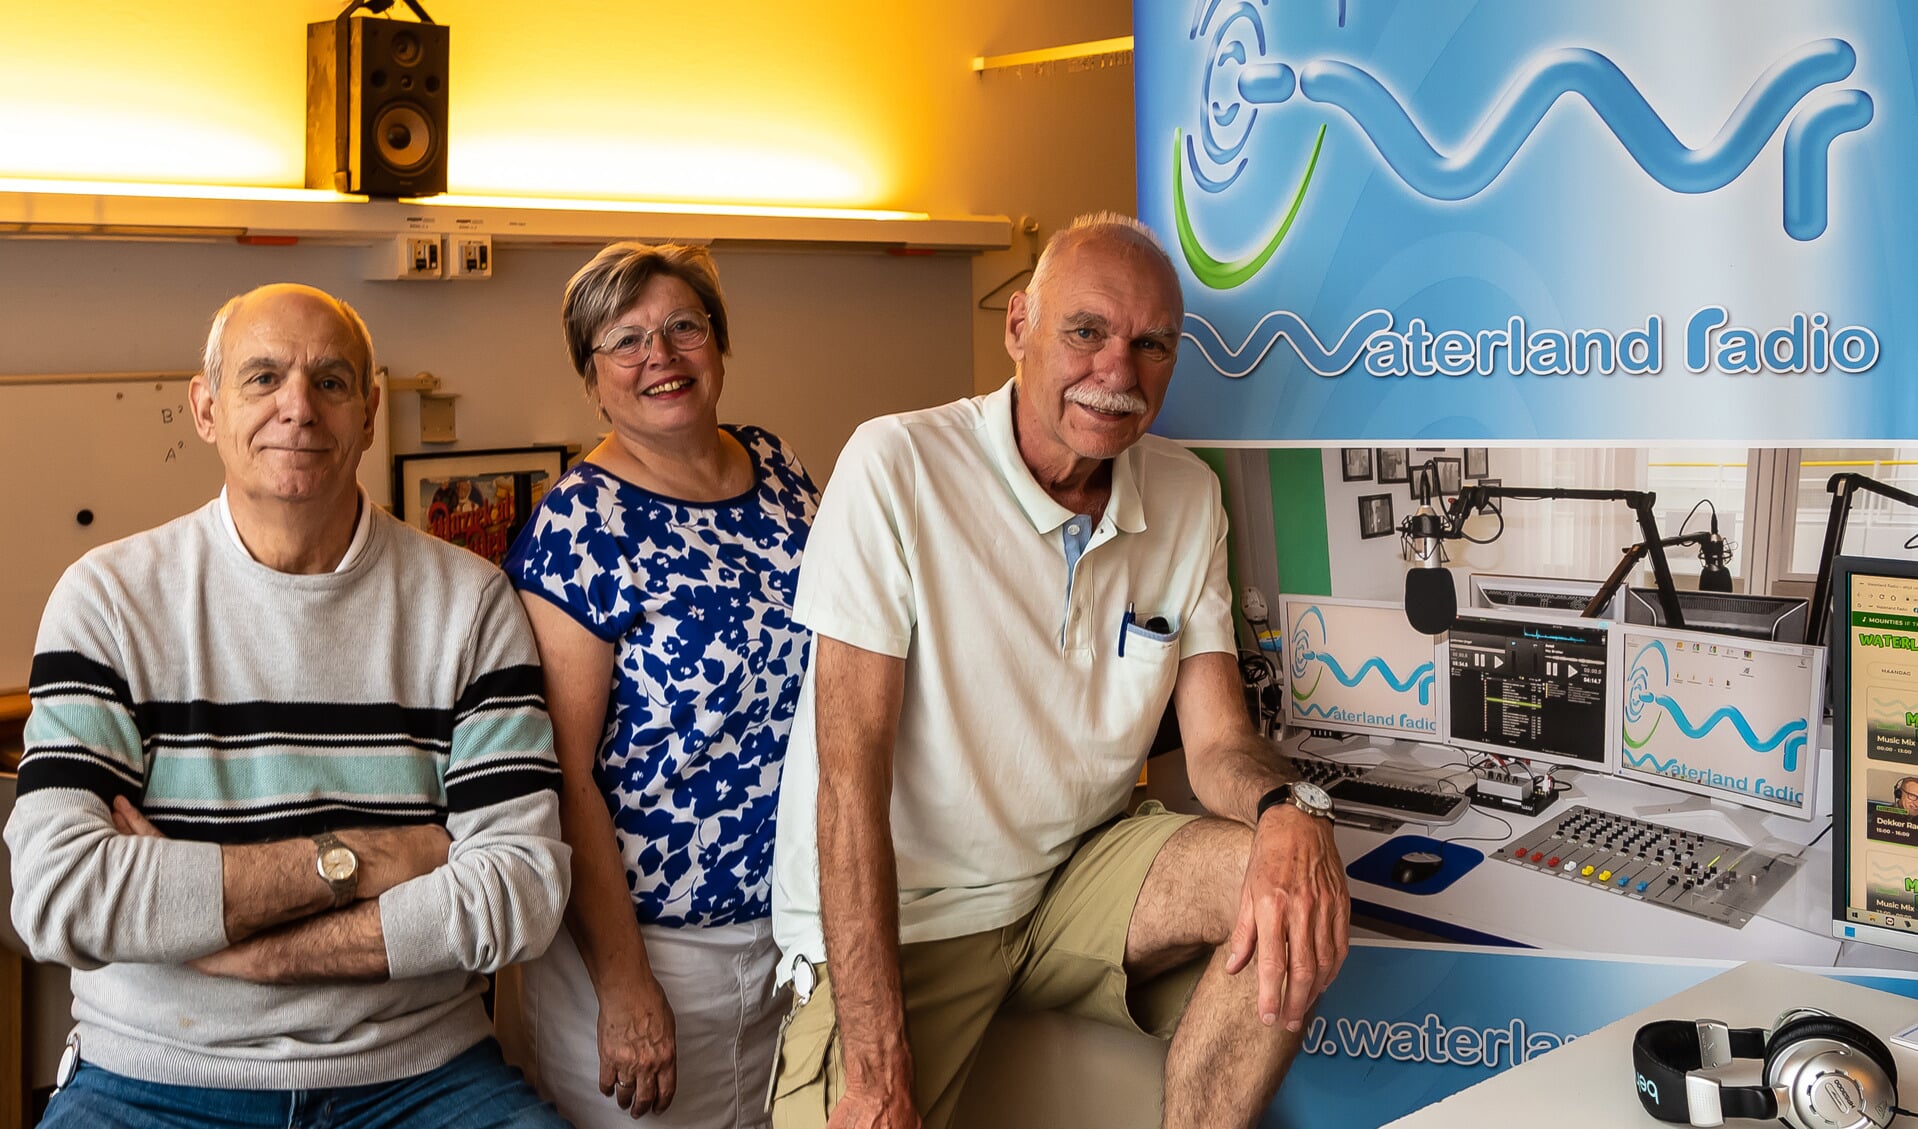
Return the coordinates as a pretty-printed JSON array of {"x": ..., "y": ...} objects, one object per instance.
[
  {"x": 150, "y": 91},
  {"x": 823, "y": 103}
]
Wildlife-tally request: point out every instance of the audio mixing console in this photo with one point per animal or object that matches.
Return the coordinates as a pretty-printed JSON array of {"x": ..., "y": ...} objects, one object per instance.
[{"x": 1633, "y": 858}]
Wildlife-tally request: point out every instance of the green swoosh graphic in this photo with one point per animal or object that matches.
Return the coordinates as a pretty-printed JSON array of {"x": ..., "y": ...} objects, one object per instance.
[
  {"x": 1640, "y": 743},
  {"x": 1220, "y": 275},
  {"x": 1311, "y": 690}
]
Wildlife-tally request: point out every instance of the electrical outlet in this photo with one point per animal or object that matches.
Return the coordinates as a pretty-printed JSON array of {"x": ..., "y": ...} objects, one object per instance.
[
  {"x": 406, "y": 256},
  {"x": 470, "y": 256}
]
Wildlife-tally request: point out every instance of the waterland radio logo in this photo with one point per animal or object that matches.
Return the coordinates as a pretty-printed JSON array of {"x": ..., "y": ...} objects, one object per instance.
[
  {"x": 1314, "y": 658},
  {"x": 1448, "y": 155},
  {"x": 1656, "y": 718}
]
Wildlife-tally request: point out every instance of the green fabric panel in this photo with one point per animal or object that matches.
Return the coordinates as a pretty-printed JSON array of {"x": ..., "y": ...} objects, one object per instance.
[
  {"x": 1215, "y": 458},
  {"x": 1298, "y": 521}
]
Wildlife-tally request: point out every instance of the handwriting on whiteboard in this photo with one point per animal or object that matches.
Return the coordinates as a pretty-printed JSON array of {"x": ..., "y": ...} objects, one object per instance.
[{"x": 173, "y": 418}]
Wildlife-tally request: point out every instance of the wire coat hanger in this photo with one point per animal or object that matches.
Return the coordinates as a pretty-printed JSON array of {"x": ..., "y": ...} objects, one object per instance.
[{"x": 1029, "y": 228}]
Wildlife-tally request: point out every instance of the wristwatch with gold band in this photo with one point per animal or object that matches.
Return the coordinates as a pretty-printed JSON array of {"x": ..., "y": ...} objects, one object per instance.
[{"x": 339, "y": 867}]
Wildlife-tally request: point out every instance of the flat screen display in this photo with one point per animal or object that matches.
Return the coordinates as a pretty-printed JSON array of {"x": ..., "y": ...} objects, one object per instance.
[
  {"x": 1874, "y": 655},
  {"x": 1357, "y": 666},
  {"x": 1730, "y": 718},
  {"x": 1781, "y": 618},
  {"x": 1547, "y": 593},
  {"x": 1531, "y": 685}
]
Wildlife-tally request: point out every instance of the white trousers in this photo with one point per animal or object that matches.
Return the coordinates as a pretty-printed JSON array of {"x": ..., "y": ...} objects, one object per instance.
[{"x": 719, "y": 982}]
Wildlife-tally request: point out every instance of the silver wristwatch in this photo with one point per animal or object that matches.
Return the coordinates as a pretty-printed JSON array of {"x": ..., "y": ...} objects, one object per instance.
[
  {"x": 1308, "y": 798},
  {"x": 339, "y": 867}
]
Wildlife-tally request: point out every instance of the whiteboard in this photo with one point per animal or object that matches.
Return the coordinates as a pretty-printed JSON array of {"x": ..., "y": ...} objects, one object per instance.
[{"x": 122, "y": 451}]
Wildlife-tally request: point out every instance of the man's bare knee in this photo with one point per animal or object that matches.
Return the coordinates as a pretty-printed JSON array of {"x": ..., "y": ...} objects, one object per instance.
[{"x": 1190, "y": 899}]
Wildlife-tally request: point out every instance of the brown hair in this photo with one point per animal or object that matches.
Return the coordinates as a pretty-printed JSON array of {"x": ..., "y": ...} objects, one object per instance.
[{"x": 612, "y": 281}]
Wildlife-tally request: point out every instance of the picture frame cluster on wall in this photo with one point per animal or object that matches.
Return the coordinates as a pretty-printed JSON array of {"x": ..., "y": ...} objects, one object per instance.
[
  {"x": 1429, "y": 473},
  {"x": 1387, "y": 465}
]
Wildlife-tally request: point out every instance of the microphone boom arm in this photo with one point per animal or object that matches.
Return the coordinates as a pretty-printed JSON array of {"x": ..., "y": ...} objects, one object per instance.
[
  {"x": 1843, "y": 488},
  {"x": 1629, "y": 560},
  {"x": 1474, "y": 498}
]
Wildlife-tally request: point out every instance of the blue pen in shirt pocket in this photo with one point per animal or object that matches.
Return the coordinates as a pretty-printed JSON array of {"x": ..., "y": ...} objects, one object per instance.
[{"x": 1154, "y": 629}]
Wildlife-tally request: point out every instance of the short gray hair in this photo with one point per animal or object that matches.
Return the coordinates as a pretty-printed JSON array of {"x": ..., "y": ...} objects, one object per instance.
[
  {"x": 612, "y": 280},
  {"x": 214, "y": 356},
  {"x": 1089, "y": 228}
]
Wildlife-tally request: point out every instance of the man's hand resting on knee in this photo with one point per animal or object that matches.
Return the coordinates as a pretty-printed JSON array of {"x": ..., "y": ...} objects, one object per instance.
[{"x": 1294, "y": 914}]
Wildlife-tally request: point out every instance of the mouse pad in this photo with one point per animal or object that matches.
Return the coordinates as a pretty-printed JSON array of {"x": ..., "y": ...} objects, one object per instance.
[{"x": 1376, "y": 865}]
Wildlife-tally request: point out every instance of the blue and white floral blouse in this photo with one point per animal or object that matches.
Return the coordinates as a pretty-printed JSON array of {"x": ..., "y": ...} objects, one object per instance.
[{"x": 696, "y": 598}]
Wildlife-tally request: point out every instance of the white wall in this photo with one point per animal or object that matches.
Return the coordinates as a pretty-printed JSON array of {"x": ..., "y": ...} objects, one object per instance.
[{"x": 822, "y": 340}]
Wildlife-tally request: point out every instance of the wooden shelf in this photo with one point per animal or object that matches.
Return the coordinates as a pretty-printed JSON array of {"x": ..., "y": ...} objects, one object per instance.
[{"x": 114, "y": 212}]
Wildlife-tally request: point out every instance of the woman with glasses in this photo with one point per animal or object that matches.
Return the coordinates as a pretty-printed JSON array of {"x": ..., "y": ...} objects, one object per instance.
[{"x": 659, "y": 575}]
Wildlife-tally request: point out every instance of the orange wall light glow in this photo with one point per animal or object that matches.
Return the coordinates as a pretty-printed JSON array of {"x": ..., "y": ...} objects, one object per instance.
[
  {"x": 600, "y": 166},
  {"x": 816, "y": 105},
  {"x": 128, "y": 91}
]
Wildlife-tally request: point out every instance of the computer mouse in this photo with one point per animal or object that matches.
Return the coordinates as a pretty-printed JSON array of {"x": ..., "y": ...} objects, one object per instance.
[{"x": 1416, "y": 866}]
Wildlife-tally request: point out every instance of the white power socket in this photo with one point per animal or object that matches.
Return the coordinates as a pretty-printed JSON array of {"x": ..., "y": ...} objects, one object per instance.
[
  {"x": 408, "y": 255},
  {"x": 469, "y": 256}
]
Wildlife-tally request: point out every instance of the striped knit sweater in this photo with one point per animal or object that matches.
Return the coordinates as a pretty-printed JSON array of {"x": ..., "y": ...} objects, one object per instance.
[{"x": 233, "y": 703}]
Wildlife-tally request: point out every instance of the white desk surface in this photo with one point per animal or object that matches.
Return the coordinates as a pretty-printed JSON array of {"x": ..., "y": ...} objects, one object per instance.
[
  {"x": 1508, "y": 901},
  {"x": 1588, "y": 1082}
]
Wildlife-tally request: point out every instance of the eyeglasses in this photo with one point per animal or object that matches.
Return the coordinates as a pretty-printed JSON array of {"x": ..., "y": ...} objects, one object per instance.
[{"x": 629, "y": 345}]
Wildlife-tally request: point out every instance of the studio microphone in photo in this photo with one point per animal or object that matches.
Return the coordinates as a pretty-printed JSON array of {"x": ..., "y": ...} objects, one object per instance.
[
  {"x": 1714, "y": 576},
  {"x": 1431, "y": 603}
]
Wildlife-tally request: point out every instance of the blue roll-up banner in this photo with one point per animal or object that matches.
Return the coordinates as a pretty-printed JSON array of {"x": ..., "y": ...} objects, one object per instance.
[
  {"x": 1406, "y": 1025},
  {"x": 1525, "y": 220}
]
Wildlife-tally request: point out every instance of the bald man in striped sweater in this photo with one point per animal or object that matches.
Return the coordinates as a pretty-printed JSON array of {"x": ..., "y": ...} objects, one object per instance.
[{"x": 288, "y": 790}]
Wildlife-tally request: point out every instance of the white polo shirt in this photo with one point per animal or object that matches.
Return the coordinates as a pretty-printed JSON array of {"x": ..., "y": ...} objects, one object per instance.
[{"x": 1025, "y": 719}]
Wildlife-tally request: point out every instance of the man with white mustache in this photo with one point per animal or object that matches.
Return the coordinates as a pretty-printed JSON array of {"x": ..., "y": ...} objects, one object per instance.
[{"x": 1006, "y": 592}]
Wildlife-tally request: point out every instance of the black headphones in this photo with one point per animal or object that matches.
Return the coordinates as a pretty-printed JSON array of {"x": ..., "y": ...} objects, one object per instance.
[{"x": 1821, "y": 1072}]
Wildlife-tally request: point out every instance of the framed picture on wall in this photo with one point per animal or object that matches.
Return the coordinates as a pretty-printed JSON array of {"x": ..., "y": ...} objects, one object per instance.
[
  {"x": 1375, "y": 516},
  {"x": 1478, "y": 462},
  {"x": 1392, "y": 463},
  {"x": 475, "y": 499},
  {"x": 1358, "y": 464},
  {"x": 1424, "y": 480},
  {"x": 1449, "y": 476}
]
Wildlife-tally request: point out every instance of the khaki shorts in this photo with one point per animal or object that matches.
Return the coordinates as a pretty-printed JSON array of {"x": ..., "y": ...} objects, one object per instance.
[{"x": 1068, "y": 955}]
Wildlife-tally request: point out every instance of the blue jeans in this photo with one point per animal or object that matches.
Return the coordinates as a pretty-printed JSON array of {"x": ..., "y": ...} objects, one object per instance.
[{"x": 477, "y": 1090}]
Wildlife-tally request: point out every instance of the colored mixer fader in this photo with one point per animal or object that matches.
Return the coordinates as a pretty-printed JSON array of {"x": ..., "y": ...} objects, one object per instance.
[{"x": 1633, "y": 858}]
